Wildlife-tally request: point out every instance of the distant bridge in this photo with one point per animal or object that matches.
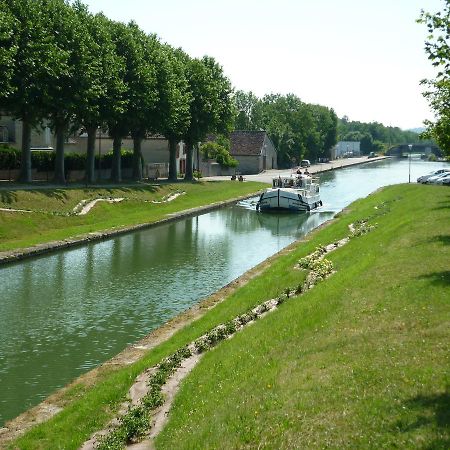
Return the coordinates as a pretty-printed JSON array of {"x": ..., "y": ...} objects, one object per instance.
[{"x": 402, "y": 150}]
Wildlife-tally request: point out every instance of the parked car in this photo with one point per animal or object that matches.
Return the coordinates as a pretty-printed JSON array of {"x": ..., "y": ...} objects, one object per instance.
[
  {"x": 435, "y": 178},
  {"x": 372, "y": 155},
  {"x": 443, "y": 179},
  {"x": 424, "y": 178},
  {"x": 305, "y": 163}
]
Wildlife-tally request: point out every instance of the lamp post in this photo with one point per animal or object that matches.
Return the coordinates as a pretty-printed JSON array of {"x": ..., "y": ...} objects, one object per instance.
[{"x": 409, "y": 165}]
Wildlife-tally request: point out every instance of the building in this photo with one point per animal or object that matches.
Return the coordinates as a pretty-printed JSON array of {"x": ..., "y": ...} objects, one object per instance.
[
  {"x": 253, "y": 150},
  {"x": 11, "y": 134},
  {"x": 346, "y": 149}
]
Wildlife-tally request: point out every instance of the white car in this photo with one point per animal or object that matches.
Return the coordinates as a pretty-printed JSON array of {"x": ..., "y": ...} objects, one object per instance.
[
  {"x": 435, "y": 178},
  {"x": 424, "y": 178},
  {"x": 444, "y": 179}
]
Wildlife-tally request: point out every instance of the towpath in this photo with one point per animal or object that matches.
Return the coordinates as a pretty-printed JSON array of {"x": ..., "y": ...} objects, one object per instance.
[{"x": 267, "y": 175}]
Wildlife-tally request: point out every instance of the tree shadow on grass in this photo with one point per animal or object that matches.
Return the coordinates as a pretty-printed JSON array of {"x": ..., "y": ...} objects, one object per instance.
[
  {"x": 8, "y": 197},
  {"x": 59, "y": 194},
  {"x": 442, "y": 278},
  {"x": 443, "y": 205},
  {"x": 442, "y": 238},
  {"x": 432, "y": 411},
  {"x": 147, "y": 188}
]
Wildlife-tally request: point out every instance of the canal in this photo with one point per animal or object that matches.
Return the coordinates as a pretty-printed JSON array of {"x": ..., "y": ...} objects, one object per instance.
[{"x": 65, "y": 313}]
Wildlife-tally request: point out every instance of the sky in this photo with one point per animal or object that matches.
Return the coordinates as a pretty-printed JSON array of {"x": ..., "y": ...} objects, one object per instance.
[{"x": 363, "y": 58}]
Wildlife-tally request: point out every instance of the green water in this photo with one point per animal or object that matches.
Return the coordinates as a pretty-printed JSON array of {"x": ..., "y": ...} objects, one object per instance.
[{"x": 65, "y": 313}]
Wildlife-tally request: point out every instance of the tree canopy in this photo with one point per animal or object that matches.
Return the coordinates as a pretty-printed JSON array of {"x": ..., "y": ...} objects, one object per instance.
[
  {"x": 374, "y": 136},
  {"x": 298, "y": 130},
  {"x": 211, "y": 108},
  {"x": 65, "y": 67},
  {"x": 437, "y": 49},
  {"x": 218, "y": 151}
]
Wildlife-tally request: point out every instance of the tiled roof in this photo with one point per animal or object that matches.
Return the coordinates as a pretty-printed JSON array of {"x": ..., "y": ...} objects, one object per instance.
[{"x": 246, "y": 142}]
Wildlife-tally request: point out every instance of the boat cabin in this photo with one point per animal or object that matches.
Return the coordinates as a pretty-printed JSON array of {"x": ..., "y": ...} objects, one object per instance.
[{"x": 299, "y": 182}]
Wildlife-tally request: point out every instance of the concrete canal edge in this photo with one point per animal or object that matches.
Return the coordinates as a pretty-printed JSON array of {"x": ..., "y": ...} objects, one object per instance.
[
  {"x": 56, "y": 402},
  {"x": 11, "y": 256}
]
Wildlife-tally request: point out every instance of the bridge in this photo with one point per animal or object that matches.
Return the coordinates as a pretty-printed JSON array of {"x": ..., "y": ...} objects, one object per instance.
[{"x": 402, "y": 150}]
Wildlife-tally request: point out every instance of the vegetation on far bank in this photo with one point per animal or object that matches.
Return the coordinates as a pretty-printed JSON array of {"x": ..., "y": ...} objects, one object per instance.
[
  {"x": 360, "y": 361},
  {"x": 437, "y": 94},
  {"x": 53, "y": 218}
]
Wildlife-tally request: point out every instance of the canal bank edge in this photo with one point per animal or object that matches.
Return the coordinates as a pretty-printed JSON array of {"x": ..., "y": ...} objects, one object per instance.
[
  {"x": 55, "y": 403},
  {"x": 11, "y": 256}
]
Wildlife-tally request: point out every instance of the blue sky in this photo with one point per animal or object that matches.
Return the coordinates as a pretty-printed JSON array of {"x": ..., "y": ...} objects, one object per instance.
[{"x": 364, "y": 58}]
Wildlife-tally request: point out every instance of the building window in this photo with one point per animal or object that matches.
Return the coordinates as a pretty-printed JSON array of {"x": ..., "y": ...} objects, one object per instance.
[{"x": 4, "y": 137}]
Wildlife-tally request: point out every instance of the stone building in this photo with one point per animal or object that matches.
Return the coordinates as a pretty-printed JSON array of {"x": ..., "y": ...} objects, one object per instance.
[{"x": 254, "y": 151}]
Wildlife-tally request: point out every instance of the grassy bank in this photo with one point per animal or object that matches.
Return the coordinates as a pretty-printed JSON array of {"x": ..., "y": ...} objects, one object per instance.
[
  {"x": 52, "y": 215},
  {"x": 360, "y": 361}
]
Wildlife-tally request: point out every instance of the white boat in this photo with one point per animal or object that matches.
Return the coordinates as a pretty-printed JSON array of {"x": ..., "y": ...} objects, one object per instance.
[{"x": 294, "y": 193}]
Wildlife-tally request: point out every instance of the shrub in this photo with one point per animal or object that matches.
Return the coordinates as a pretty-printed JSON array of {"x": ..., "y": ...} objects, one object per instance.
[
  {"x": 9, "y": 157},
  {"x": 106, "y": 159},
  {"x": 43, "y": 161},
  {"x": 135, "y": 422},
  {"x": 153, "y": 399},
  {"x": 213, "y": 150}
]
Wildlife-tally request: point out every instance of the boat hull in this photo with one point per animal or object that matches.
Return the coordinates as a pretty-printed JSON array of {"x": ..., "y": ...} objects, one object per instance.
[{"x": 288, "y": 200}]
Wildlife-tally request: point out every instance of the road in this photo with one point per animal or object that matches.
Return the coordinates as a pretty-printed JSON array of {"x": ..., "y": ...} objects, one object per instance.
[{"x": 267, "y": 175}]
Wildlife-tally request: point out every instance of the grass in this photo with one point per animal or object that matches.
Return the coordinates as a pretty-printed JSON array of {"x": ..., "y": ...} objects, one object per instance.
[
  {"x": 360, "y": 361},
  {"x": 52, "y": 219}
]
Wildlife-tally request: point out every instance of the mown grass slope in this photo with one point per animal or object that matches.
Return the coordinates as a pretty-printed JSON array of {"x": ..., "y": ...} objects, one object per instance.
[{"x": 361, "y": 361}]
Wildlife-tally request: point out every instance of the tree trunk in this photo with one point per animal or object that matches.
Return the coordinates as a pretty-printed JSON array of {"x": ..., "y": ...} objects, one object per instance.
[
  {"x": 116, "y": 169},
  {"x": 137, "y": 159},
  {"x": 60, "y": 176},
  {"x": 25, "y": 166},
  {"x": 173, "y": 159},
  {"x": 90, "y": 154},
  {"x": 188, "y": 176}
]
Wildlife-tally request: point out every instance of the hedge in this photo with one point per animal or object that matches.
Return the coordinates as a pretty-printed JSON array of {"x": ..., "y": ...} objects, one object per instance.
[{"x": 10, "y": 158}]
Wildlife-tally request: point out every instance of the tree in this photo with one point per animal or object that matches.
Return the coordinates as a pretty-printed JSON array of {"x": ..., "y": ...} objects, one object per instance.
[
  {"x": 104, "y": 98},
  {"x": 132, "y": 56},
  {"x": 438, "y": 50},
  {"x": 211, "y": 108},
  {"x": 8, "y": 50},
  {"x": 75, "y": 83},
  {"x": 214, "y": 150},
  {"x": 291, "y": 126},
  {"x": 174, "y": 101},
  {"x": 366, "y": 142},
  {"x": 37, "y": 62},
  {"x": 144, "y": 60},
  {"x": 245, "y": 104}
]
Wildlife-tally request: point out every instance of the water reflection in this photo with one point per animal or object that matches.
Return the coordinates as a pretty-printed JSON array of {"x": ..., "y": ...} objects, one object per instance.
[{"x": 285, "y": 224}]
